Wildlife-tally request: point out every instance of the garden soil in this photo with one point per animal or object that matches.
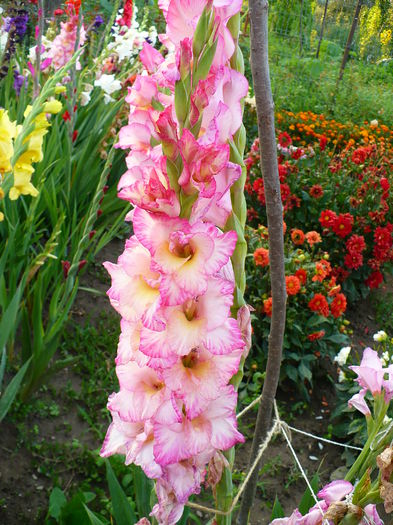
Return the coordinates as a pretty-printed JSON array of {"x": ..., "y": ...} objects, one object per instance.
[{"x": 25, "y": 488}]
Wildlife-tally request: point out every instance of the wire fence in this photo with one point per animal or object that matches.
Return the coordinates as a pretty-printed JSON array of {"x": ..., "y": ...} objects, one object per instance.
[
  {"x": 314, "y": 44},
  {"x": 322, "y": 27}
]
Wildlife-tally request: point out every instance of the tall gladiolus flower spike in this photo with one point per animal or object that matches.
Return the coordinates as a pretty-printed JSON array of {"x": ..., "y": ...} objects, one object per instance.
[{"x": 180, "y": 342}]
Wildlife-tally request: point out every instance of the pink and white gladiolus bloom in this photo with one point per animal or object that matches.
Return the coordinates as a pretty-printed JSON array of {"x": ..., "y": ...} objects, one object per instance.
[
  {"x": 373, "y": 378},
  {"x": 182, "y": 336},
  {"x": 334, "y": 493}
]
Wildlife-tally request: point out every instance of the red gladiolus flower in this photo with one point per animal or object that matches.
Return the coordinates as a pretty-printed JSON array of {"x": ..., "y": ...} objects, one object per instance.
[
  {"x": 66, "y": 116},
  {"x": 72, "y": 7},
  {"x": 66, "y": 267},
  {"x": 342, "y": 226},
  {"x": 374, "y": 280},
  {"x": 339, "y": 305},
  {"x": 284, "y": 139},
  {"x": 268, "y": 306},
  {"x": 316, "y": 191},
  {"x": 261, "y": 257},
  {"x": 126, "y": 19},
  {"x": 58, "y": 12},
  {"x": 319, "y": 305},
  {"x": 74, "y": 135},
  {"x": 327, "y": 218},
  {"x": 297, "y": 236},
  {"x": 301, "y": 274},
  {"x": 293, "y": 284},
  {"x": 316, "y": 335},
  {"x": 81, "y": 264},
  {"x": 322, "y": 143}
]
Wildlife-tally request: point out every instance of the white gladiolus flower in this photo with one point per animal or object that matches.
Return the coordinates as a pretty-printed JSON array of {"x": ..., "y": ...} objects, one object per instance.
[
  {"x": 108, "y": 84},
  {"x": 341, "y": 376},
  {"x": 380, "y": 336},
  {"x": 342, "y": 356}
]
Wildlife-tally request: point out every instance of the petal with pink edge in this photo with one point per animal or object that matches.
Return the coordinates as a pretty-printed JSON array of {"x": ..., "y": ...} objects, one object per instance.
[{"x": 335, "y": 491}]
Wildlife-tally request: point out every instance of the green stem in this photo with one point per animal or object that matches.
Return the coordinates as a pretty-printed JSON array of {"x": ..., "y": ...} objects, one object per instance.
[
  {"x": 237, "y": 221},
  {"x": 353, "y": 472}
]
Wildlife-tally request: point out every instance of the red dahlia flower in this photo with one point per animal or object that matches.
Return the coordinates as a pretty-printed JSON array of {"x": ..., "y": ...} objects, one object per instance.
[
  {"x": 327, "y": 218},
  {"x": 319, "y": 305},
  {"x": 342, "y": 226},
  {"x": 297, "y": 236},
  {"x": 267, "y": 306},
  {"x": 261, "y": 257},
  {"x": 301, "y": 274},
  {"x": 356, "y": 244},
  {"x": 284, "y": 139},
  {"x": 316, "y": 191},
  {"x": 339, "y": 305},
  {"x": 316, "y": 335},
  {"x": 353, "y": 260},
  {"x": 374, "y": 280},
  {"x": 293, "y": 284}
]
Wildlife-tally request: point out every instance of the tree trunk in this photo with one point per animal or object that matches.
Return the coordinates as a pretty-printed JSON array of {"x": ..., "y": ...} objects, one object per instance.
[
  {"x": 350, "y": 39},
  {"x": 322, "y": 28},
  {"x": 268, "y": 149}
]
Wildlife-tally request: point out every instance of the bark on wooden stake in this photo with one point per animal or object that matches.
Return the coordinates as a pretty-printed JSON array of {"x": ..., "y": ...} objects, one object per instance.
[
  {"x": 322, "y": 28},
  {"x": 269, "y": 164},
  {"x": 350, "y": 39}
]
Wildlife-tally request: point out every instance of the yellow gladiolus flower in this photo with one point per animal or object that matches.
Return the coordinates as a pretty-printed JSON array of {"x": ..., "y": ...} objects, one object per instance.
[
  {"x": 53, "y": 106},
  {"x": 7, "y": 134}
]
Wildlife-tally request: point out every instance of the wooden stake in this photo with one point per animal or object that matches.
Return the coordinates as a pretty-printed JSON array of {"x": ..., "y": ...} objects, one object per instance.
[
  {"x": 269, "y": 164},
  {"x": 322, "y": 28},
  {"x": 350, "y": 39}
]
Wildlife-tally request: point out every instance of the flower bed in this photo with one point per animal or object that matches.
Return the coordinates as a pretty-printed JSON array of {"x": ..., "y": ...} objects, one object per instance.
[{"x": 340, "y": 189}]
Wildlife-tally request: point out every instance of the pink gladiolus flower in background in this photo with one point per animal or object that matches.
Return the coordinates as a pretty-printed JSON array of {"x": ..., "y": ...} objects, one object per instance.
[
  {"x": 173, "y": 286},
  {"x": 357, "y": 401},
  {"x": 372, "y": 376},
  {"x": 63, "y": 46}
]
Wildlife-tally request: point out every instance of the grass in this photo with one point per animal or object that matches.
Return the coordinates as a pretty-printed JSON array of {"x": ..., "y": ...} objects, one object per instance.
[{"x": 304, "y": 83}]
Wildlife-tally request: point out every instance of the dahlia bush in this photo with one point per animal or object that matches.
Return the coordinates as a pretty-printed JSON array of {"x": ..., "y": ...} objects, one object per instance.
[
  {"x": 316, "y": 327},
  {"x": 183, "y": 335},
  {"x": 341, "y": 190}
]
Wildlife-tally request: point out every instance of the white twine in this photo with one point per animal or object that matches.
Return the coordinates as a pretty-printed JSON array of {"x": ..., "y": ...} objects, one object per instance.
[
  {"x": 324, "y": 439},
  {"x": 313, "y": 436},
  {"x": 299, "y": 465}
]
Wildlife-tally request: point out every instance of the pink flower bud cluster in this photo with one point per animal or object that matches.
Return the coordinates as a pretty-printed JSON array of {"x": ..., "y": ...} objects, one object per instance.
[
  {"x": 334, "y": 502},
  {"x": 63, "y": 46},
  {"x": 174, "y": 283}
]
